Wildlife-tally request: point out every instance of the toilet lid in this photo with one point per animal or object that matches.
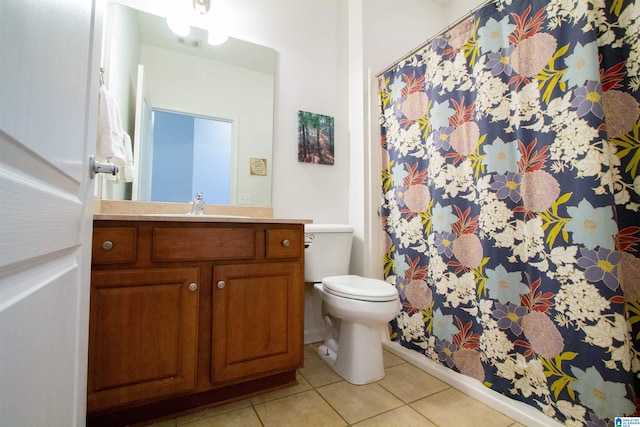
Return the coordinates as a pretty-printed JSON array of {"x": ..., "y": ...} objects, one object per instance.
[{"x": 359, "y": 288}]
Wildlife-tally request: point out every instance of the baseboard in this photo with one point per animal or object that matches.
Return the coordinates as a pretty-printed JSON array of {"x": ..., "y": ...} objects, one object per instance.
[
  {"x": 514, "y": 409},
  {"x": 313, "y": 336}
]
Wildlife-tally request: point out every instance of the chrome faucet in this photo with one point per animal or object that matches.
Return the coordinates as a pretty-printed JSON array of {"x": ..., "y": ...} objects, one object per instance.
[{"x": 198, "y": 205}]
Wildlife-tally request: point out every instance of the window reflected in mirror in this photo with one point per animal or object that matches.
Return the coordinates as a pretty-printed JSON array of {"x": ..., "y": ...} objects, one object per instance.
[{"x": 183, "y": 144}]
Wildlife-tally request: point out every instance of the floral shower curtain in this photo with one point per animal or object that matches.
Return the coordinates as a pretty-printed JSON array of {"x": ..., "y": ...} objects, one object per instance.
[{"x": 511, "y": 198}]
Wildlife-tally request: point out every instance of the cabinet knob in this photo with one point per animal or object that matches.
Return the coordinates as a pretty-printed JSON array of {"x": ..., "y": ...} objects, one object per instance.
[
  {"x": 193, "y": 286},
  {"x": 221, "y": 284},
  {"x": 286, "y": 243},
  {"x": 107, "y": 245}
]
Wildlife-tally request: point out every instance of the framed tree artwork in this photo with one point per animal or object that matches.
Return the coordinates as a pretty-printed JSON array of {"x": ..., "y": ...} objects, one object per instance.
[{"x": 315, "y": 138}]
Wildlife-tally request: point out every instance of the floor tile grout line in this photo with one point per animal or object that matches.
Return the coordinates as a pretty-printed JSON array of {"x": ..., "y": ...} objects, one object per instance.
[
  {"x": 329, "y": 403},
  {"x": 342, "y": 416},
  {"x": 423, "y": 415},
  {"x": 316, "y": 389},
  {"x": 375, "y": 382},
  {"x": 257, "y": 414},
  {"x": 413, "y": 401},
  {"x": 331, "y": 406},
  {"x": 379, "y": 383},
  {"x": 315, "y": 355}
]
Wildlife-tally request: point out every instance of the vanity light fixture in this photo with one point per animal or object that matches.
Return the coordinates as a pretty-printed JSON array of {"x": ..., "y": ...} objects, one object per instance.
[
  {"x": 207, "y": 14},
  {"x": 202, "y": 6}
]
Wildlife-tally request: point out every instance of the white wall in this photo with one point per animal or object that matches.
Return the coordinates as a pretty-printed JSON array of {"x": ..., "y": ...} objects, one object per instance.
[
  {"x": 310, "y": 38},
  {"x": 459, "y": 8}
]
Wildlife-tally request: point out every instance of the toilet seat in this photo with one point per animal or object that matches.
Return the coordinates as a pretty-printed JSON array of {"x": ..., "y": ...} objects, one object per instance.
[{"x": 359, "y": 288}]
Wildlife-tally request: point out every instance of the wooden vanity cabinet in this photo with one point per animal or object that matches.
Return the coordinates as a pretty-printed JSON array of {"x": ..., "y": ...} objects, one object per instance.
[{"x": 185, "y": 314}]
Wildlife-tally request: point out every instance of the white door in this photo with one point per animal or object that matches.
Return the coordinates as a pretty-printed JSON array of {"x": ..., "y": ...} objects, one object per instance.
[{"x": 49, "y": 51}]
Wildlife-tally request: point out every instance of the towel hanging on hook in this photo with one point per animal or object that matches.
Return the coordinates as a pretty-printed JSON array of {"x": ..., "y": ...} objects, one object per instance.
[{"x": 101, "y": 76}]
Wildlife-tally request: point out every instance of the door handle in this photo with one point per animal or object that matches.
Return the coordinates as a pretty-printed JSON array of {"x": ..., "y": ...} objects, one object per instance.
[{"x": 97, "y": 167}]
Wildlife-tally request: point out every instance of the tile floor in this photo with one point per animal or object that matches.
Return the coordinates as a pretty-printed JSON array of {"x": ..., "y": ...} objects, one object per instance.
[{"x": 407, "y": 396}]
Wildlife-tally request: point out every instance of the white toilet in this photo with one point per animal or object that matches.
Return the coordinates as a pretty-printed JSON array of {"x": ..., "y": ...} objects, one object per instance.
[{"x": 354, "y": 309}]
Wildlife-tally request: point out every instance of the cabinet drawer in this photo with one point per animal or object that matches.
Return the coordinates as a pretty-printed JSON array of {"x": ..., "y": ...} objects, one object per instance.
[
  {"x": 203, "y": 244},
  {"x": 114, "y": 245},
  {"x": 284, "y": 243}
]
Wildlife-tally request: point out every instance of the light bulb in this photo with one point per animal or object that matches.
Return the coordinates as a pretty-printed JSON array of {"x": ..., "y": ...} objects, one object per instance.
[
  {"x": 178, "y": 18},
  {"x": 217, "y": 27},
  {"x": 178, "y": 26},
  {"x": 217, "y": 37}
]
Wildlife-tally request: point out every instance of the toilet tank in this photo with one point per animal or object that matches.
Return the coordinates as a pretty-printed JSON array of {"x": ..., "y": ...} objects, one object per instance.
[{"x": 327, "y": 250}]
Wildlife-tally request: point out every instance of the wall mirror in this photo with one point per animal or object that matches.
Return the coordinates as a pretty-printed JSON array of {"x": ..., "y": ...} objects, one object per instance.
[{"x": 148, "y": 68}]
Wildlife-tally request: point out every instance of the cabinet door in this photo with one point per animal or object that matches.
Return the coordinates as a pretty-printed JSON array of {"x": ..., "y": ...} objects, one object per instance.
[
  {"x": 258, "y": 319},
  {"x": 143, "y": 334}
]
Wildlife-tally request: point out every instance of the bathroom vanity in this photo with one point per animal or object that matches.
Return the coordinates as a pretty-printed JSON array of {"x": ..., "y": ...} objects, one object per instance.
[{"x": 187, "y": 311}]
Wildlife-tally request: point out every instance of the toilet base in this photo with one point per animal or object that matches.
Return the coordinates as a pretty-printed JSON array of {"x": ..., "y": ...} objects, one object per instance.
[
  {"x": 327, "y": 355},
  {"x": 358, "y": 357}
]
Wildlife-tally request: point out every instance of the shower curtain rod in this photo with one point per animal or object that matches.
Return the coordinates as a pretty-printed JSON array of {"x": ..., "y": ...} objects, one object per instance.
[{"x": 438, "y": 34}]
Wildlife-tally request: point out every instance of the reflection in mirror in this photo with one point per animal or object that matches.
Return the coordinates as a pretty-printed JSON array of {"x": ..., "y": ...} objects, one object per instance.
[
  {"x": 183, "y": 143},
  {"x": 148, "y": 68}
]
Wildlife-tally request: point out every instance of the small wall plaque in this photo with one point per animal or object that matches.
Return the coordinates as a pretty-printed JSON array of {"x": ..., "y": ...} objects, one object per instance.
[{"x": 258, "y": 166}]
